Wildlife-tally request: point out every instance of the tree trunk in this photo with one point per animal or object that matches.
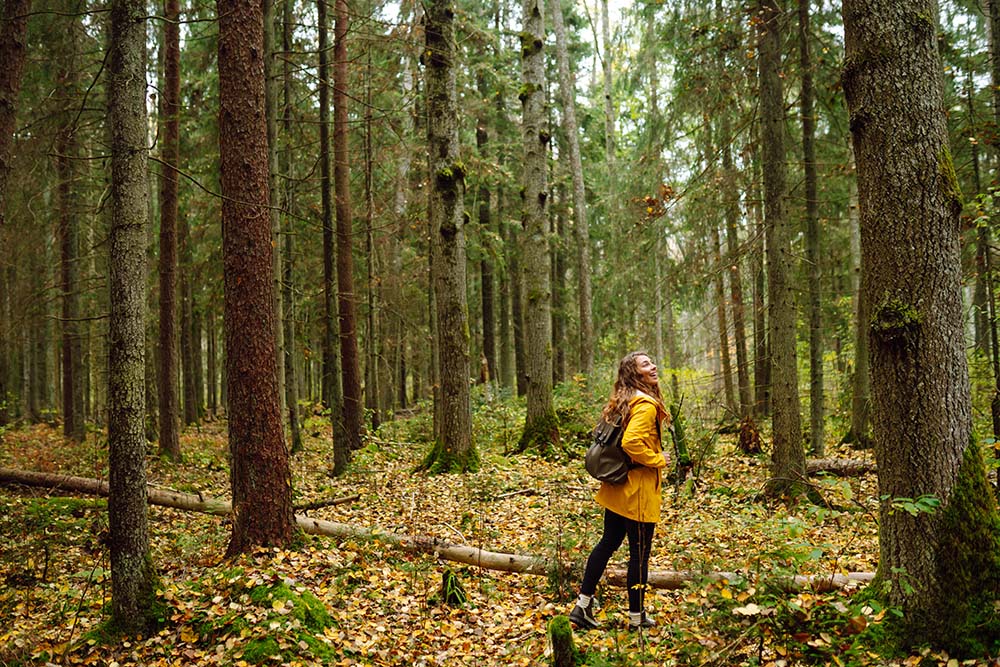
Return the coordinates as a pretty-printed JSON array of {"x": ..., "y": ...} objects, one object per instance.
[
  {"x": 373, "y": 336},
  {"x": 13, "y": 29},
  {"x": 485, "y": 226},
  {"x": 261, "y": 477},
  {"x": 170, "y": 98},
  {"x": 288, "y": 296},
  {"x": 567, "y": 92},
  {"x": 188, "y": 349},
  {"x": 787, "y": 457},
  {"x": 132, "y": 574},
  {"x": 940, "y": 566},
  {"x": 349, "y": 356},
  {"x": 559, "y": 322},
  {"x": 69, "y": 220},
  {"x": 732, "y": 215},
  {"x": 453, "y": 449},
  {"x": 271, "y": 104},
  {"x": 720, "y": 307},
  {"x": 331, "y": 368},
  {"x": 332, "y": 386},
  {"x": 816, "y": 411},
  {"x": 541, "y": 427},
  {"x": 859, "y": 434}
]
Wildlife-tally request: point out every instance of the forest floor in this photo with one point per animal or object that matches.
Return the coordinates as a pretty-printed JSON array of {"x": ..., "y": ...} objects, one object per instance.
[{"x": 364, "y": 602}]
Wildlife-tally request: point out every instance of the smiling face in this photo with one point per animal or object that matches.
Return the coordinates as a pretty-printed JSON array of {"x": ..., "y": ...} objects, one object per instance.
[{"x": 646, "y": 370}]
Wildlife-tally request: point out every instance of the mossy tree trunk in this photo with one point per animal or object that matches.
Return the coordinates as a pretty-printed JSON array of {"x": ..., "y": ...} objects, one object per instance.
[
  {"x": 541, "y": 428},
  {"x": 132, "y": 576},
  {"x": 260, "y": 476},
  {"x": 788, "y": 459},
  {"x": 940, "y": 566},
  {"x": 454, "y": 449}
]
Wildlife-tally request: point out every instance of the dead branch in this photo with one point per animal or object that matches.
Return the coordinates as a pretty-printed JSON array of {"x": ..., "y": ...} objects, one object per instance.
[{"x": 457, "y": 553}]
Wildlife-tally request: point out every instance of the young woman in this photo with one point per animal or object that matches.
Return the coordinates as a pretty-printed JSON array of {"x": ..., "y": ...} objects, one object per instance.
[{"x": 631, "y": 509}]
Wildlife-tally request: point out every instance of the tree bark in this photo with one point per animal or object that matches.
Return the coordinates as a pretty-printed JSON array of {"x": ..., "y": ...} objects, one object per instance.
[
  {"x": 332, "y": 385},
  {"x": 453, "y": 449},
  {"x": 373, "y": 337},
  {"x": 816, "y": 410},
  {"x": 485, "y": 227},
  {"x": 170, "y": 98},
  {"x": 940, "y": 567},
  {"x": 567, "y": 92},
  {"x": 261, "y": 477},
  {"x": 722, "y": 320},
  {"x": 271, "y": 104},
  {"x": 66, "y": 151},
  {"x": 13, "y": 29},
  {"x": 541, "y": 427},
  {"x": 288, "y": 296},
  {"x": 132, "y": 575},
  {"x": 787, "y": 457},
  {"x": 859, "y": 434},
  {"x": 347, "y": 311}
]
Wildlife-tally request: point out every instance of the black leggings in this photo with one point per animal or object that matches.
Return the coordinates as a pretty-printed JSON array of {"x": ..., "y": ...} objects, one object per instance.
[{"x": 640, "y": 544}]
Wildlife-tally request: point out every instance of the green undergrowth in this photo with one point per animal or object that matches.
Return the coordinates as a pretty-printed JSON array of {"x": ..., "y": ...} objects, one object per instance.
[{"x": 257, "y": 616}]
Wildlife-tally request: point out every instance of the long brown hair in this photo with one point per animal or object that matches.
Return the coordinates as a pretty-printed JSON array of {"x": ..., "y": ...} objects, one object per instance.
[{"x": 627, "y": 383}]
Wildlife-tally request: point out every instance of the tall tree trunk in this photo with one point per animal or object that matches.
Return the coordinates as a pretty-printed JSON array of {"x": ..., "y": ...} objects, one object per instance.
[
  {"x": 787, "y": 458},
  {"x": 199, "y": 366},
  {"x": 860, "y": 381},
  {"x": 347, "y": 311},
  {"x": 261, "y": 477},
  {"x": 559, "y": 288},
  {"x": 332, "y": 387},
  {"x": 132, "y": 574},
  {"x": 212, "y": 374},
  {"x": 486, "y": 262},
  {"x": 13, "y": 28},
  {"x": 921, "y": 409},
  {"x": 732, "y": 215},
  {"x": 188, "y": 349},
  {"x": 723, "y": 321},
  {"x": 373, "y": 337},
  {"x": 453, "y": 449},
  {"x": 69, "y": 215},
  {"x": 288, "y": 296},
  {"x": 567, "y": 92},
  {"x": 271, "y": 96},
  {"x": 541, "y": 427},
  {"x": 816, "y": 427},
  {"x": 170, "y": 98},
  {"x": 330, "y": 354}
]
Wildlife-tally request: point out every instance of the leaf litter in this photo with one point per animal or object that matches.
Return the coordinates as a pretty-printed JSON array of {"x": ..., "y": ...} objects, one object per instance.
[{"x": 361, "y": 602}]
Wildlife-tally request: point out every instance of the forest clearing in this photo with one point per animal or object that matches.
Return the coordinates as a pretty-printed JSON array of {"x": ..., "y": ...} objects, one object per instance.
[{"x": 382, "y": 606}]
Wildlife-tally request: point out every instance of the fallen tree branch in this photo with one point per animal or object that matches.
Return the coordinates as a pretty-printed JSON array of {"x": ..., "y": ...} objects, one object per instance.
[
  {"x": 457, "y": 553},
  {"x": 840, "y": 467},
  {"x": 329, "y": 502}
]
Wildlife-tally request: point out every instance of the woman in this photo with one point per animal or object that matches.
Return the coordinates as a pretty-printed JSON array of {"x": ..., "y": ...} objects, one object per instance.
[{"x": 631, "y": 509}]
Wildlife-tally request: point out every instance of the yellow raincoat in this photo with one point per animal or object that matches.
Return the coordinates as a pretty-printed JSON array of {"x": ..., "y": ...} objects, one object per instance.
[{"x": 639, "y": 497}]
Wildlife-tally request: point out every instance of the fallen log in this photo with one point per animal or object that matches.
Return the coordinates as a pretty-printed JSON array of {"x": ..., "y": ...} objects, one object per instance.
[
  {"x": 840, "y": 467},
  {"x": 457, "y": 553}
]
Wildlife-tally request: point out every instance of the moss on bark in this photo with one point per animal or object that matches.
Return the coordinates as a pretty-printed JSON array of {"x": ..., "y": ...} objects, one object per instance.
[
  {"x": 564, "y": 653},
  {"x": 542, "y": 436},
  {"x": 440, "y": 459},
  {"x": 968, "y": 565}
]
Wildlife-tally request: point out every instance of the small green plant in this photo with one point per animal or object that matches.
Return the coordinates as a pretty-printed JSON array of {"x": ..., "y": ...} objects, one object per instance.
[{"x": 925, "y": 504}]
